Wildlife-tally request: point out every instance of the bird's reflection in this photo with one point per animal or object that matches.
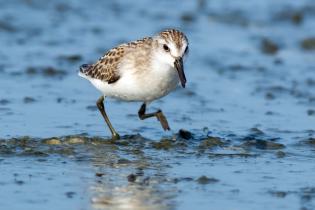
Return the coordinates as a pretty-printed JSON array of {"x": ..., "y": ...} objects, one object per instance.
[
  {"x": 129, "y": 196},
  {"x": 128, "y": 179}
]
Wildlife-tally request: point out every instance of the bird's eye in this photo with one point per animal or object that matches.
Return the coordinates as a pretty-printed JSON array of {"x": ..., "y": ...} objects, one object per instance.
[
  {"x": 186, "y": 50},
  {"x": 166, "y": 48}
]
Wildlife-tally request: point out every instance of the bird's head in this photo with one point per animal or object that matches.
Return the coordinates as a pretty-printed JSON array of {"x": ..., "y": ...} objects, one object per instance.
[{"x": 172, "y": 46}]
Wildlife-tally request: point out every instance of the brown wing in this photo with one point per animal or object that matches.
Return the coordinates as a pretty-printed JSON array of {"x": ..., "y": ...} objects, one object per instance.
[{"x": 106, "y": 68}]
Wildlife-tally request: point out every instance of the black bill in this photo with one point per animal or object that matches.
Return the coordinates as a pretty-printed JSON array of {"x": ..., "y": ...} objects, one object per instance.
[{"x": 180, "y": 70}]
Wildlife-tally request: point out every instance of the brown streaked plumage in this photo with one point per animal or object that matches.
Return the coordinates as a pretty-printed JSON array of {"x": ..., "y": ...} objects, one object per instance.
[
  {"x": 173, "y": 35},
  {"x": 142, "y": 70},
  {"x": 106, "y": 68}
]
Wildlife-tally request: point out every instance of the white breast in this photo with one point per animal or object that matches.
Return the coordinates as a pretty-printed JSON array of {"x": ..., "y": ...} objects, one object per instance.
[{"x": 146, "y": 86}]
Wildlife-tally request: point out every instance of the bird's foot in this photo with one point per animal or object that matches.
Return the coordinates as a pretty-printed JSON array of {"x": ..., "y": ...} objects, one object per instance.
[
  {"x": 160, "y": 116},
  {"x": 115, "y": 136}
]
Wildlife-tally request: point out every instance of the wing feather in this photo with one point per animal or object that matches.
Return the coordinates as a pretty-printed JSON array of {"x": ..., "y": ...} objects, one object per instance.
[{"x": 107, "y": 67}]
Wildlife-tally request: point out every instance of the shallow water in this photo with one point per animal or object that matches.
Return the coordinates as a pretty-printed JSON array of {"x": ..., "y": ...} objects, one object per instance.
[{"x": 242, "y": 131}]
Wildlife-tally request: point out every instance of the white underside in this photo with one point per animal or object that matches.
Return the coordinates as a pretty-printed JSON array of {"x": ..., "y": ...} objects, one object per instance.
[{"x": 148, "y": 86}]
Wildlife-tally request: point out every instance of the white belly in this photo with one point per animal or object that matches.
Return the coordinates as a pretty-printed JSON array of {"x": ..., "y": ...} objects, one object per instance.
[{"x": 131, "y": 87}]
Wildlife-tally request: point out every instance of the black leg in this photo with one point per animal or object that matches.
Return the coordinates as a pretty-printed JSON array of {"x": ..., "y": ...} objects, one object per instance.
[
  {"x": 159, "y": 115},
  {"x": 100, "y": 105}
]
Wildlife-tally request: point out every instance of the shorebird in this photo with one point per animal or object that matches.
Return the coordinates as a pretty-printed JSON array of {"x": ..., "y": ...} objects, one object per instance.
[{"x": 142, "y": 70}]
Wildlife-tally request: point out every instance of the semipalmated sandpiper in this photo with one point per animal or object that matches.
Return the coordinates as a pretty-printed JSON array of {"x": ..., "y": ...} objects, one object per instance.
[{"x": 142, "y": 70}]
